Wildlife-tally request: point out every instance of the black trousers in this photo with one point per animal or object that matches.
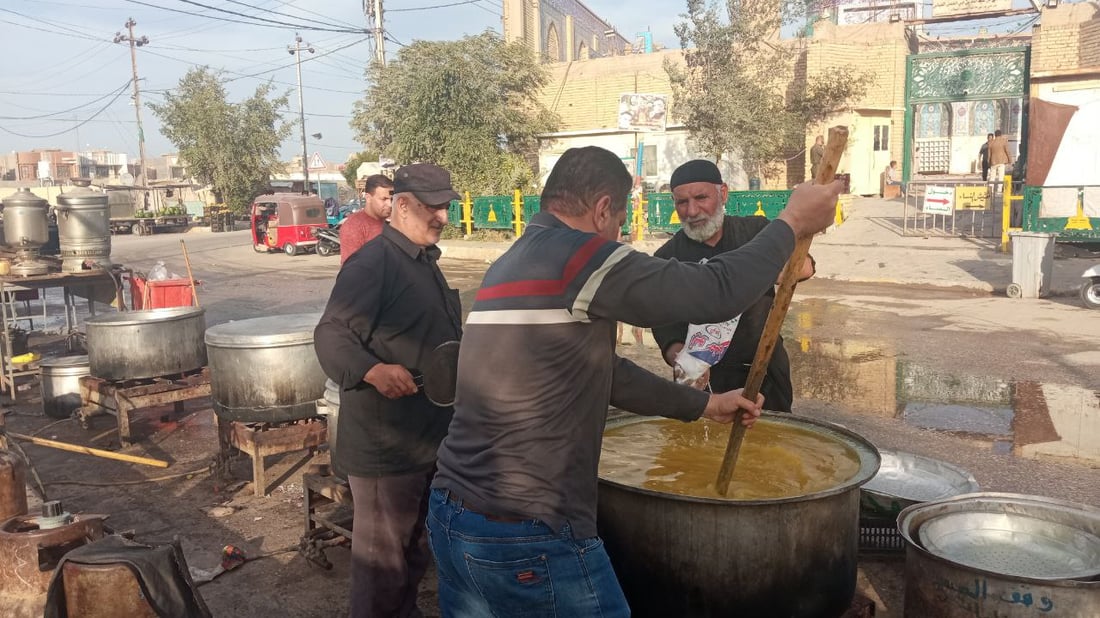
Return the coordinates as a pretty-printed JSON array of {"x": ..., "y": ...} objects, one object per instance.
[{"x": 389, "y": 544}]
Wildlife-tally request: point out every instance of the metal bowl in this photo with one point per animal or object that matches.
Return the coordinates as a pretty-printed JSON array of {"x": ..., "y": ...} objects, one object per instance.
[
  {"x": 905, "y": 479},
  {"x": 1013, "y": 544}
]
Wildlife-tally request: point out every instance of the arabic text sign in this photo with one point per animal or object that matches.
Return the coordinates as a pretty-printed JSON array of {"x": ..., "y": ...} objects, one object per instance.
[
  {"x": 939, "y": 200},
  {"x": 971, "y": 198},
  {"x": 966, "y": 7}
]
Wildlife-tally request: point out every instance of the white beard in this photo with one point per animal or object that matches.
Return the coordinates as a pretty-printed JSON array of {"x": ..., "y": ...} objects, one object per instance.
[{"x": 701, "y": 232}]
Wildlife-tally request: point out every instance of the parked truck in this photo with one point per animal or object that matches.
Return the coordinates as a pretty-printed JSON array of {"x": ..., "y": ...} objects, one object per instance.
[{"x": 130, "y": 216}]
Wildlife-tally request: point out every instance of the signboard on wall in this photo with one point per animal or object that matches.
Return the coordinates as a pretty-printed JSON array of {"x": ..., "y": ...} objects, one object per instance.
[
  {"x": 939, "y": 200},
  {"x": 642, "y": 112},
  {"x": 968, "y": 7}
]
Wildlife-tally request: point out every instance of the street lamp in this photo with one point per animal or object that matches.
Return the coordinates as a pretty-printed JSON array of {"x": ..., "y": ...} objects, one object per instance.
[{"x": 296, "y": 51}]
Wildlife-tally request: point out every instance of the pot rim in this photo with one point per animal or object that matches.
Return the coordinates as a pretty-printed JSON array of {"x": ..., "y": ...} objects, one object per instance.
[
  {"x": 145, "y": 316},
  {"x": 923, "y": 511},
  {"x": 271, "y": 331},
  {"x": 869, "y": 461}
]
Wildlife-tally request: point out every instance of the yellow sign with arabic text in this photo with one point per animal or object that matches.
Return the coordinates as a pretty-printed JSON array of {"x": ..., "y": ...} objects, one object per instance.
[{"x": 971, "y": 198}]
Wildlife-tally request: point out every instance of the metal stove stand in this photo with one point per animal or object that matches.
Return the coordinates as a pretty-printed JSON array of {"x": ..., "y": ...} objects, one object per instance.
[
  {"x": 124, "y": 397},
  {"x": 259, "y": 440},
  {"x": 329, "y": 515}
]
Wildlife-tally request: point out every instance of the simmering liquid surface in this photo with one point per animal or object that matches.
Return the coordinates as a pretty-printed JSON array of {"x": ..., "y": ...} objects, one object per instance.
[{"x": 776, "y": 459}]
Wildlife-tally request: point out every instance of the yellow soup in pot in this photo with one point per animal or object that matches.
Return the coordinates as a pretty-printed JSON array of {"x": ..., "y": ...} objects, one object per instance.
[{"x": 777, "y": 460}]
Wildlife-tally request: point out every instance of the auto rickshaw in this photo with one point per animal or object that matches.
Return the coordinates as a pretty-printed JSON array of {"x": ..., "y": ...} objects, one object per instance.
[{"x": 286, "y": 221}]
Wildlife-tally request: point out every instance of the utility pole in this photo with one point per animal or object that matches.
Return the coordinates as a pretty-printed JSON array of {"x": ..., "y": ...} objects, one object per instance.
[
  {"x": 373, "y": 9},
  {"x": 134, "y": 44},
  {"x": 296, "y": 50}
]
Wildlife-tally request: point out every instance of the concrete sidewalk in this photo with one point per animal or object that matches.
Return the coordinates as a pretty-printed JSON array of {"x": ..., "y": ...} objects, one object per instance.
[{"x": 869, "y": 247}]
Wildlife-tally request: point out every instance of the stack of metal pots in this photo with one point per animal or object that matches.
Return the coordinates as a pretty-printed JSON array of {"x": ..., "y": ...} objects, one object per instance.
[
  {"x": 265, "y": 369},
  {"x": 1004, "y": 555},
  {"x": 26, "y": 230},
  {"x": 135, "y": 345},
  {"x": 84, "y": 227}
]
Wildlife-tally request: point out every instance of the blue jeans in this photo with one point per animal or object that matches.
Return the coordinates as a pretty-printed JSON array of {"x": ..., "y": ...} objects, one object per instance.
[{"x": 517, "y": 569}]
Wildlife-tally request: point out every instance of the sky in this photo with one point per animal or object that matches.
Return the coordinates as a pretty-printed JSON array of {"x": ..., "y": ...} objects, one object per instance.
[
  {"x": 64, "y": 82},
  {"x": 68, "y": 65}
]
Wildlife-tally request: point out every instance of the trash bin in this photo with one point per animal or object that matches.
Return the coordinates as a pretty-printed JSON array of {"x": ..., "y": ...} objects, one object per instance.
[
  {"x": 754, "y": 184},
  {"x": 1032, "y": 264}
]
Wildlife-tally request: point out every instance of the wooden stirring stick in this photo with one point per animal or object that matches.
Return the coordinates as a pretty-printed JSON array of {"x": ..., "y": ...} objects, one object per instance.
[{"x": 834, "y": 148}]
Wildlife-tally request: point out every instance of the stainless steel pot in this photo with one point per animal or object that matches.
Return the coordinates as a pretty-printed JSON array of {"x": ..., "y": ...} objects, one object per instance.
[
  {"x": 25, "y": 222},
  {"x": 265, "y": 369},
  {"x": 329, "y": 407},
  {"x": 941, "y": 587},
  {"x": 61, "y": 384},
  {"x": 684, "y": 556},
  {"x": 84, "y": 228},
  {"x": 145, "y": 344}
]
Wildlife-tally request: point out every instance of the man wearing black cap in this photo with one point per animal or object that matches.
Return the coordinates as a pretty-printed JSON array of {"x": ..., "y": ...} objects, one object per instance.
[
  {"x": 390, "y": 307},
  {"x": 700, "y": 197}
]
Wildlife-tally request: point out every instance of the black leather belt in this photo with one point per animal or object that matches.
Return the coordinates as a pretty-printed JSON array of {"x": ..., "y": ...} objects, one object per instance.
[{"x": 497, "y": 518}]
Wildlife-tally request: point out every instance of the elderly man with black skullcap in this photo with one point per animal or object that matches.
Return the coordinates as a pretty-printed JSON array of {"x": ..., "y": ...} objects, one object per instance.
[{"x": 700, "y": 194}]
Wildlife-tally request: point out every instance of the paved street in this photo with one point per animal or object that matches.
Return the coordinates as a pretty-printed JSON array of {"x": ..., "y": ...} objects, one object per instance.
[{"x": 953, "y": 372}]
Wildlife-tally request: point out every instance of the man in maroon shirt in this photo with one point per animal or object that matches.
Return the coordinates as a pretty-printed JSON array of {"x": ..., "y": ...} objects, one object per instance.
[{"x": 362, "y": 226}]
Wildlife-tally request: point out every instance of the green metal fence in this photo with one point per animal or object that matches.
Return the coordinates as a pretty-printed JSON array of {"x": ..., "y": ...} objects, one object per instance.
[
  {"x": 496, "y": 212},
  {"x": 1068, "y": 229}
]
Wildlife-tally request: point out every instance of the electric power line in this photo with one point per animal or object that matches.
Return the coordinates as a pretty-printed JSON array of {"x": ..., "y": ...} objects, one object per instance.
[
  {"x": 66, "y": 111},
  {"x": 118, "y": 94},
  {"x": 272, "y": 21},
  {"x": 273, "y": 12},
  {"x": 274, "y": 24},
  {"x": 435, "y": 6}
]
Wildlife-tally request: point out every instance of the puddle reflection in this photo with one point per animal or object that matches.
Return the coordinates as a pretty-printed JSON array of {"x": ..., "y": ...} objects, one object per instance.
[{"x": 1024, "y": 418}]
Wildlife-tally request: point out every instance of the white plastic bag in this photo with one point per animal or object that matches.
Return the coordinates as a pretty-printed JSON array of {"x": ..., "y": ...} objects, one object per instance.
[
  {"x": 704, "y": 346},
  {"x": 158, "y": 272}
]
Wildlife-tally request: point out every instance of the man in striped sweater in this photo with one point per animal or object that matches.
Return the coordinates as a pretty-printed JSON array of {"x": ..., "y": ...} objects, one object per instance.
[{"x": 514, "y": 499}]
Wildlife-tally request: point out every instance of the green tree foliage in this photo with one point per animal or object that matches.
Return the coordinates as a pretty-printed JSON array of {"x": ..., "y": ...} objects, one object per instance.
[
  {"x": 233, "y": 147},
  {"x": 355, "y": 161},
  {"x": 470, "y": 106},
  {"x": 736, "y": 91}
]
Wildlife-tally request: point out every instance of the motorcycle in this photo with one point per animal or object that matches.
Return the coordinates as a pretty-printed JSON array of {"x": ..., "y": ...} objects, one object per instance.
[
  {"x": 328, "y": 241},
  {"x": 1090, "y": 289}
]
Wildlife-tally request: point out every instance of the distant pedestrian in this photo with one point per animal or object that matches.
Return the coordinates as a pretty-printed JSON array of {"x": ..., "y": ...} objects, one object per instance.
[
  {"x": 817, "y": 153},
  {"x": 999, "y": 158},
  {"x": 890, "y": 174},
  {"x": 362, "y": 226},
  {"x": 983, "y": 156}
]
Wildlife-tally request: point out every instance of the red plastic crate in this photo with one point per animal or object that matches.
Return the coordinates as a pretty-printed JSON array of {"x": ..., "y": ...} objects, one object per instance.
[{"x": 166, "y": 293}]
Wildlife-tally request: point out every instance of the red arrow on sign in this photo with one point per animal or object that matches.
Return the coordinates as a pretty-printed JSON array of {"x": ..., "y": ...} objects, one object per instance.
[{"x": 939, "y": 201}]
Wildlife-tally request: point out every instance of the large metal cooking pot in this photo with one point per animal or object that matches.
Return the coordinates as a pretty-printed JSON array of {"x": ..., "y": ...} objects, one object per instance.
[
  {"x": 84, "y": 227},
  {"x": 943, "y": 587},
  {"x": 265, "y": 369},
  {"x": 61, "y": 384},
  {"x": 329, "y": 407},
  {"x": 685, "y": 556},
  {"x": 145, "y": 344},
  {"x": 25, "y": 222}
]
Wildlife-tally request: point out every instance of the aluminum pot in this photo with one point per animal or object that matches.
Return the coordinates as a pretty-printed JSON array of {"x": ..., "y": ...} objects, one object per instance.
[
  {"x": 146, "y": 344},
  {"x": 265, "y": 369},
  {"x": 686, "y": 556},
  {"x": 938, "y": 586},
  {"x": 25, "y": 222},
  {"x": 61, "y": 384},
  {"x": 84, "y": 228},
  {"x": 329, "y": 407}
]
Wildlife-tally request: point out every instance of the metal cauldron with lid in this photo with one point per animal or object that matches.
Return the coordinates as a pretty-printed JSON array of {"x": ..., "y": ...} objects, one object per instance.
[
  {"x": 84, "y": 228},
  {"x": 133, "y": 345},
  {"x": 999, "y": 554},
  {"x": 688, "y": 556},
  {"x": 265, "y": 369},
  {"x": 26, "y": 229},
  {"x": 61, "y": 384}
]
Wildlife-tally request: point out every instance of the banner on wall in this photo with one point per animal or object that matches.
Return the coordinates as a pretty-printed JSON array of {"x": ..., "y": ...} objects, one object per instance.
[
  {"x": 642, "y": 112},
  {"x": 968, "y": 7}
]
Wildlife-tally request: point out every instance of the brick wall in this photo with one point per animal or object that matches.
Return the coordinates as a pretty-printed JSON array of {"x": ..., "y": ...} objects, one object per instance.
[{"x": 1089, "y": 48}]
